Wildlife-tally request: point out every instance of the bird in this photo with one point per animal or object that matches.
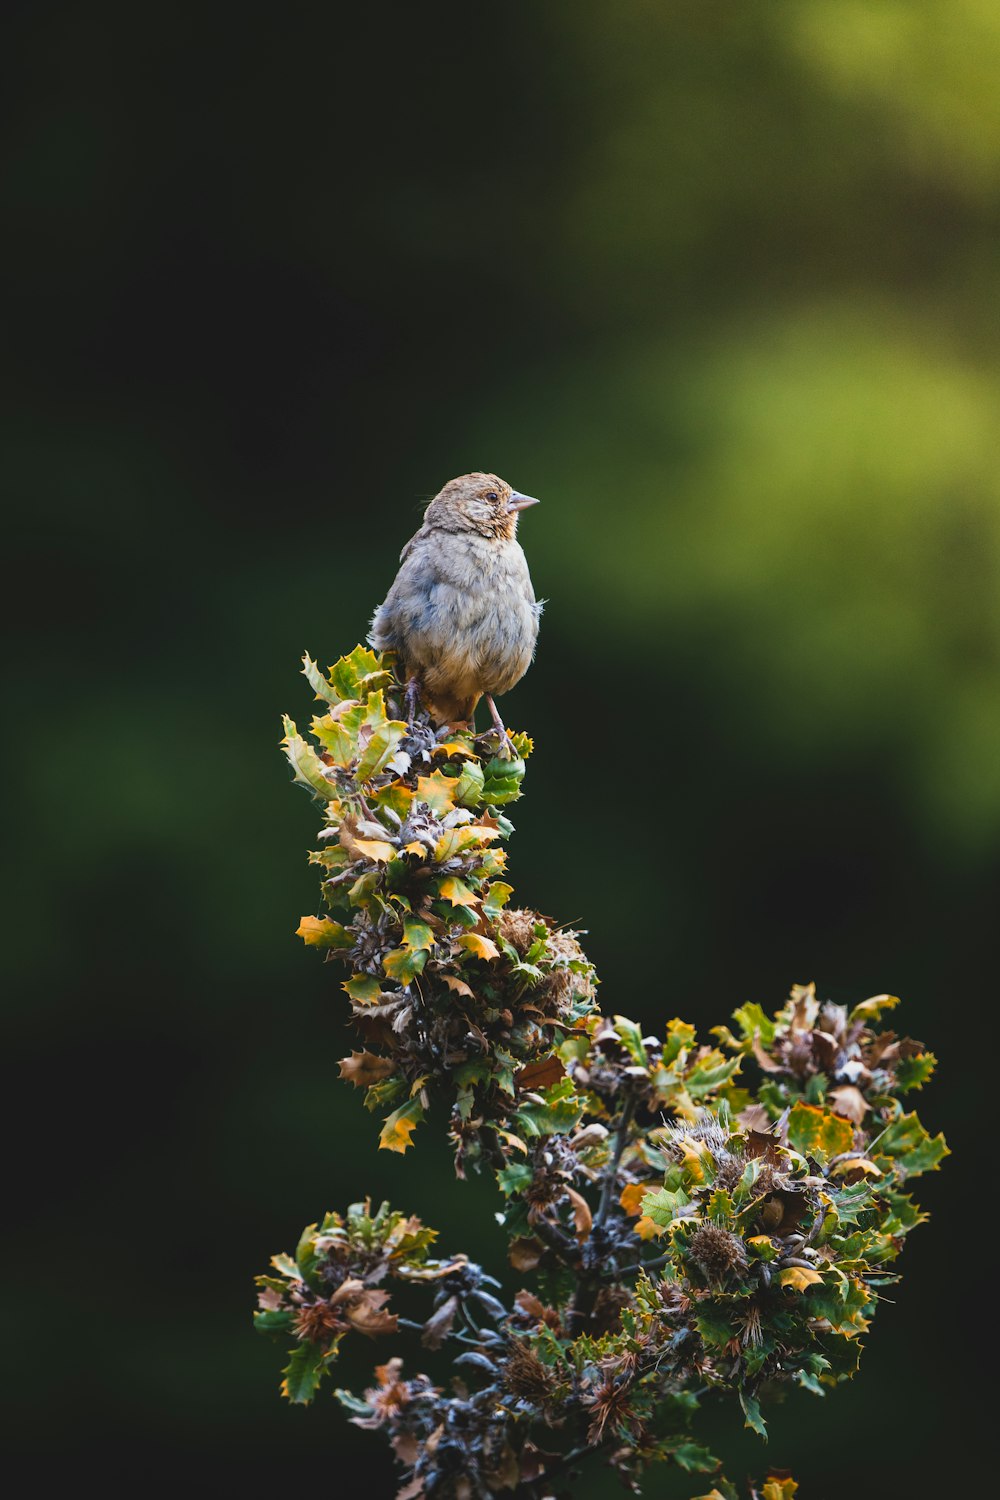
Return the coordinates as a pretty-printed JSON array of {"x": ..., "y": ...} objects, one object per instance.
[{"x": 461, "y": 614}]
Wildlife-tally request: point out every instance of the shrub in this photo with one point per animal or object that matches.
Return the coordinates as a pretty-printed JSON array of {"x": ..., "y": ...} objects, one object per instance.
[{"x": 701, "y": 1221}]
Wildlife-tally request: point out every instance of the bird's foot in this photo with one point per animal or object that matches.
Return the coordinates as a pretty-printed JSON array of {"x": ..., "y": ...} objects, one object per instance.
[
  {"x": 412, "y": 698},
  {"x": 506, "y": 749}
]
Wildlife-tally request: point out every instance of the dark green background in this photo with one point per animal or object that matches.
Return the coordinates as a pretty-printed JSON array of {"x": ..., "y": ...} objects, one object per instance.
[{"x": 719, "y": 283}]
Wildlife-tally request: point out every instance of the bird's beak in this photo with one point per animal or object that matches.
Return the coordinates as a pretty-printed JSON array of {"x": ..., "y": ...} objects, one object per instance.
[{"x": 520, "y": 502}]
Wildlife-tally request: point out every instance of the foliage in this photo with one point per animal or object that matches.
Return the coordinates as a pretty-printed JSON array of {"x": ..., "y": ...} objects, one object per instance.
[{"x": 703, "y": 1221}]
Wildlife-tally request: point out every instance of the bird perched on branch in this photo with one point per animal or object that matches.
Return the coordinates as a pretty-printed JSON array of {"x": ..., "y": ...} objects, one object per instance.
[{"x": 462, "y": 614}]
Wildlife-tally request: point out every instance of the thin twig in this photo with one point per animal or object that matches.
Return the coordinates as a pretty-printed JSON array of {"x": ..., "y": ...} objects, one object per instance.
[{"x": 621, "y": 1140}]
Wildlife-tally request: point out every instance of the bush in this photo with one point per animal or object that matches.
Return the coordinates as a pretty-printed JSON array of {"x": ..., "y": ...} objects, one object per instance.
[{"x": 702, "y": 1222}]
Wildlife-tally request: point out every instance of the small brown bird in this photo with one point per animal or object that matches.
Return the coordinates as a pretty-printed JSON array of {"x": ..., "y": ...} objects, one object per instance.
[{"x": 462, "y": 614}]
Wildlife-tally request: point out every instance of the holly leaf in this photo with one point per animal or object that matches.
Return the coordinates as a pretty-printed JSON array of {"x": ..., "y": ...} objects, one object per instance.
[
  {"x": 404, "y": 964},
  {"x": 751, "y": 1410},
  {"x": 515, "y": 1178},
  {"x": 467, "y": 789},
  {"x": 557, "y": 1114},
  {"x": 400, "y": 1125},
  {"x": 356, "y": 674},
  {"x": 364, "y": 989},
  {"x": 497, "y": 896},
  {"x": 303, "y": 1374},
  {"x": 631, "y": 1038},
  {"x": 305, "y": 763},
  {"x": 438, "y": 791},
  {"x": 317, "y": 681},
  {"x": 380, "y": 737},
  {"x": 502, "y": 781},
  {"x": 364, "y": 1068},
  {"x": 694, "y": 1459},
  {"x": 870, "y": 1010},
  {"x": 911, "y": 1149},
  {"x": 813, "y": 1132},
  {"x": 799, "y": 1277},
  {"x": 481, "y": 947},
  {"x": 913, "y": 1072},
  {"x": 323, "y": 932},
  {"x": 457, "y": 892},
  {"x": 539, "y": 1075}
]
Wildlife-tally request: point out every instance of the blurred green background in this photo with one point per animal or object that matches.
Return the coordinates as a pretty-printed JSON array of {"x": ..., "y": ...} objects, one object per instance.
[{"x": 720, "y": 284}]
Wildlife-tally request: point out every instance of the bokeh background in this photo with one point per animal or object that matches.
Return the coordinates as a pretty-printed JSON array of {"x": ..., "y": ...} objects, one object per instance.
[{"x": 720, "y": 284}]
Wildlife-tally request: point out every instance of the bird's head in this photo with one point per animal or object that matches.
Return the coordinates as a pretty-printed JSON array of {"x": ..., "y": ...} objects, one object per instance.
[{"x": 478, "y": 502}]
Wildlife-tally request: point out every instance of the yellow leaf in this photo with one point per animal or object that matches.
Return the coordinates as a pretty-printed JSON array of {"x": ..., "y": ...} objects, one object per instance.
[
  {"x": 776, "y": 1488},
  {"x": 454, "y": 747},
  {"x": 458, "y": 893},
  {"x": 799, "y": 1277},
  {"x": 482, "y": 947},
  {"x": 512, "y": 1140},
  {"x": 321, "y": 932},
  {"x": 415, "y": 847},
  {"x": 437, "y": 790},
  {"x": 632, "y": 1196},
  {"x": 859, "y": 1164},
  {"x": 646, "y": 1229},
  {"x": 400, "y": 1125},
  {"x": 376, "y": 849},
  {"x": 457, "y": 840}
]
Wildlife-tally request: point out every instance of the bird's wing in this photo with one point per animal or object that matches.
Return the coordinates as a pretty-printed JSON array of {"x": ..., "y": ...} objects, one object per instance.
[{"x": 409, "y": 546}]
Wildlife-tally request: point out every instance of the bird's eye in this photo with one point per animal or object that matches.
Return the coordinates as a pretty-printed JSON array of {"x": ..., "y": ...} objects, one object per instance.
[{"x": 493, "y": 496}]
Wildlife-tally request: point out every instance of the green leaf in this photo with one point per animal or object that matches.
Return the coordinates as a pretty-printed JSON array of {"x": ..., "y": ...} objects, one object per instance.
[
  {"x": 913, "y": 1072},
  {"x": 497, "y": 896},
  {"x": 631, "y": 1038},
  {"x": 339, "y": 737},
  {"x": 404, "y": 964},
  {"x": 910, "y": 1147},
  {"x": 273, "y": 1320},
  {"x": 694, "y": 1459},
  {"x": 306, "y": 764},
  {"x": 356, "y": 674},
  {"x": 751, "y": 1410},
  {"x": 417, "y": 935},
  {"x": 317, "y": 681},
  {"x": 663, "y": 1206},
  {"x": 384, "y": 735},
  {"x": 710, "y": 1073},
  {"x": 515, "y": 1178},
  {"x": 753, "y": 1020},
  {"x": 502, "y": 781},
  {"x": 557, "y": 1115},
  {"x": 303, "y": 1374},
  {"x": 468, "y": 789},
  {"x": 352, "y": 1403},
  {"x": 364, "y": 989}
]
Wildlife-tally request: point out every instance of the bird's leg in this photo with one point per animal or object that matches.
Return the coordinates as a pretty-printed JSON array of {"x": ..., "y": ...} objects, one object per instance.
[
  {"x": 412, "y": 699},
  {"x": 506, "y": 743}
]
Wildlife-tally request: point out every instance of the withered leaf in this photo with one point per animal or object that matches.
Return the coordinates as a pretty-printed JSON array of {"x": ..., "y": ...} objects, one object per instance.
[
  {"x": 525, "y": 1252},
  {"x": 367, "y": 1313},
  {"x": 364, "y": 1068},
  {"x": 582, "y": 1216},
  {"x": 539, "y": 1075},
  {"x": 850, "y": 1101},
  {"x": 439, "y": 1324}
]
